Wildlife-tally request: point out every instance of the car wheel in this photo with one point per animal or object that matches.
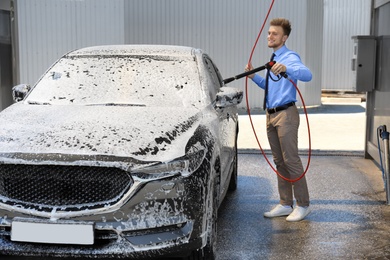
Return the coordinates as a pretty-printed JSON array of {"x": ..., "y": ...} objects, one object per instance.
[
  {"x": 209, "y": 251},
  {"x": 233, "y": 178}
]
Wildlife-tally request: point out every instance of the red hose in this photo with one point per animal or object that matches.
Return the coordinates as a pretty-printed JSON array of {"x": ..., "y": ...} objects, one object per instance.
[{"x": 249, "y": 112}]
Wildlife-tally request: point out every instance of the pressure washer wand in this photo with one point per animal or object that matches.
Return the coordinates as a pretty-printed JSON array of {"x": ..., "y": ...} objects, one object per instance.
[{"x": 266, "y": 66}]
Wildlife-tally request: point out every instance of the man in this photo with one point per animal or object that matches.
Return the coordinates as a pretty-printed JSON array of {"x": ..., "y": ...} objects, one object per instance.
[{"x": 283, "y": 121}]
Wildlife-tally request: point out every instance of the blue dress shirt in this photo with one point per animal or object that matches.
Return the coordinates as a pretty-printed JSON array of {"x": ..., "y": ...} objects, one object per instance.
[{"x": 283, "y": 91}]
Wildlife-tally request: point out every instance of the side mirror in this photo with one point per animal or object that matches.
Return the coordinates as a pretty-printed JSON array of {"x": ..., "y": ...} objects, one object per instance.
[
  {"x": 228, "y": 96},
  {"x": 19, "y": 92}
]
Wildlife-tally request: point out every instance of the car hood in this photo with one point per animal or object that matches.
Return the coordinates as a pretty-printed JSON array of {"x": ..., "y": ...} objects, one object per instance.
[{"x": 142, "y": 133}]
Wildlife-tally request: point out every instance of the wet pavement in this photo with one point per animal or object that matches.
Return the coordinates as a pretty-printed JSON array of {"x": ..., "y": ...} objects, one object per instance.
[{"x": 349, "y": 219}]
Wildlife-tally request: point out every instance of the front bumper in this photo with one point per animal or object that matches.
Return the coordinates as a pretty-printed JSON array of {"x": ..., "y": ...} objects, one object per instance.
[
  {"x": 138, "y": 245},
  {"x": 164, "y": 218}
]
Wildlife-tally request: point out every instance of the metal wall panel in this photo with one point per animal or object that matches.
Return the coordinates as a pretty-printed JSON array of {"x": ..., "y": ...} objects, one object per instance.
[
  {"x": 5, "y": 32},
  {"x": 378, "y": 101},
  {"x": 5, "y": 60},
  {"x": 47, "y": 29},
  {"x": 342, "y": 20},
  {"x": 226, "y": 30},
  {"x": 314, "y": 36},
  {"x": 5, "y": 5}
]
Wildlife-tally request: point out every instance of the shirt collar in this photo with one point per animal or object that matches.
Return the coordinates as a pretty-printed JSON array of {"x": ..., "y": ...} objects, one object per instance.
[{"x": 280, "y": 51}]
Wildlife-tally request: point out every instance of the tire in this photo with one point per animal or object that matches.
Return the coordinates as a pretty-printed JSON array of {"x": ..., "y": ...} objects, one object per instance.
[
  {"x": 233, "y": 178},
  {"x": 208, "y": 252}
]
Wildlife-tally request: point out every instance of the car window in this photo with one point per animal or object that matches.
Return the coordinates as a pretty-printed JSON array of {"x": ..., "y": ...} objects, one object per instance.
[
  {"x": 215, "y": 77},
  {"x": 120, "y": 80}
]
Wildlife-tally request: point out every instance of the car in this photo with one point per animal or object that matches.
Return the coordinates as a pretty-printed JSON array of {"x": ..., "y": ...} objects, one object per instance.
[{"x": 118, "y": 151}]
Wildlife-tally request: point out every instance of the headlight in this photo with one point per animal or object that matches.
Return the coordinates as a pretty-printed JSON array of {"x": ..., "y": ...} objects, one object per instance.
[{"x": 184, "y": 166}]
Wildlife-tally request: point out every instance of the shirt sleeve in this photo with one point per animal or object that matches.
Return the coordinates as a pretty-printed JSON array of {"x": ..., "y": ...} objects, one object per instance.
[
  {"x": 296, "y": 70},
  {"x": 260, "y": 81}
]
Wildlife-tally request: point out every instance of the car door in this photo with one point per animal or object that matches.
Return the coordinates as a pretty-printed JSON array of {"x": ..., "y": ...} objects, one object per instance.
[{"x": 228, "y": 123}]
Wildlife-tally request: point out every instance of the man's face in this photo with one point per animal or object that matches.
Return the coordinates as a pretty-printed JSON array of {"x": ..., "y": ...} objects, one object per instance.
[{"x": 276, "y": 37}]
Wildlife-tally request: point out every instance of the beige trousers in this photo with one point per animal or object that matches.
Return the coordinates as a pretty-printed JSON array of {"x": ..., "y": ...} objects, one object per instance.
[{"x": 282, "y": 131}]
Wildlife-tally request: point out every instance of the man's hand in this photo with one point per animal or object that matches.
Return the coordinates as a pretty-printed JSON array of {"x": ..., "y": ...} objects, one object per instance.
[
  {"x": 249, "y": 67},
  {"x": 278, "y": 68}
]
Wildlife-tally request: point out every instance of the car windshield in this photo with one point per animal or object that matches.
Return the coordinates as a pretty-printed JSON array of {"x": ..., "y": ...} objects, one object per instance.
[{"x": 120, "y": 80}]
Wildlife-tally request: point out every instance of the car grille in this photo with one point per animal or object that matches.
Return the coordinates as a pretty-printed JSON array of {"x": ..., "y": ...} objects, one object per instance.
[{"x": 45, "y": 187}]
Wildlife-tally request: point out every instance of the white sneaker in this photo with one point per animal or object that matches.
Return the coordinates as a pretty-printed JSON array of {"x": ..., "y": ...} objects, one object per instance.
[
  {"x": 278, "y": 211},
  {"x": 299, "y": 213}
]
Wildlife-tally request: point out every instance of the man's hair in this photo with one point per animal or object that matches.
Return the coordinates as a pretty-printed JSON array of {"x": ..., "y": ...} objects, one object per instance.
[{"x": 284, "y": 23}]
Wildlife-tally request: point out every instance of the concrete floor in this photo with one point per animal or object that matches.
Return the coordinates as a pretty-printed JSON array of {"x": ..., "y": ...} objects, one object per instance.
[{"x": 350, "y": 218}]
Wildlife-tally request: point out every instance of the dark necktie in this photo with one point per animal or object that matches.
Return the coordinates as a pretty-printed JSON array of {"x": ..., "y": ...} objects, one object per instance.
[{"x": 266, "y": 84}]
